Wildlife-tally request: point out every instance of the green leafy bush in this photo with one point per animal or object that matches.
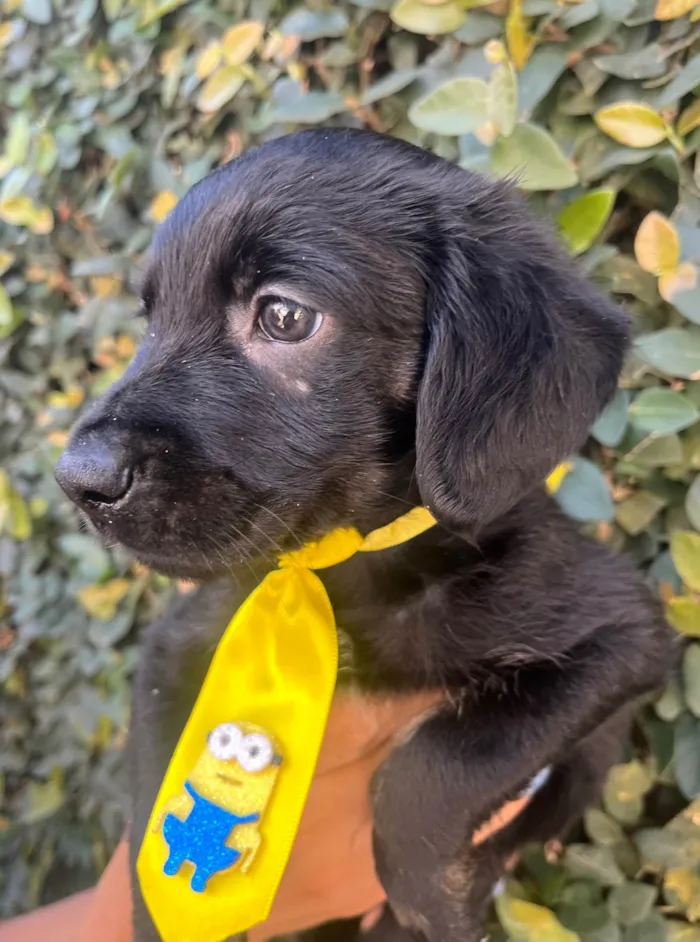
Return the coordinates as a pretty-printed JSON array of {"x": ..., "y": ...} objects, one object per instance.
[{"x": 111, "y": 109}]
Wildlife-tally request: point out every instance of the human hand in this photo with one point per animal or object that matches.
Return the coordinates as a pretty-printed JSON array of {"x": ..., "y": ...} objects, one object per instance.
[{"x": 330, "y": 874}]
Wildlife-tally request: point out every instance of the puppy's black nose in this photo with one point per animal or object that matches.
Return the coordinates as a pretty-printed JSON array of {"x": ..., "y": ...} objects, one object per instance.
[{"x": 92, "y": 473}]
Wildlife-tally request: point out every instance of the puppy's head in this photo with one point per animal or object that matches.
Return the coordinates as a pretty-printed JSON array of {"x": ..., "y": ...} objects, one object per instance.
[{"x": 336, "y": 322}]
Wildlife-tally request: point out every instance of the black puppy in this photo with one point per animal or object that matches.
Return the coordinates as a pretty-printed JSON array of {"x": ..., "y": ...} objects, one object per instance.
[{"x": 341, "y": 326}]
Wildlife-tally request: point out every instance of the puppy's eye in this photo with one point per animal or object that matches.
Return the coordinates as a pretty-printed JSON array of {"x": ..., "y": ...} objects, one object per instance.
[{"x": 285, "y": 321}]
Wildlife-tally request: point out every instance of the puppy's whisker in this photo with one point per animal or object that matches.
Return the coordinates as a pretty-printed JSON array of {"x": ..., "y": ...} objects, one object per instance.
[
  {"x": 246, "y": 558},
  {"x": 280, "y": 520},
  {"x": 267, "y": 536}
]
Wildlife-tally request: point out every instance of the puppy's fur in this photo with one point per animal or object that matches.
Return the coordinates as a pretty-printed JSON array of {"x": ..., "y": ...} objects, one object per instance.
[{"x": 461, "y": 357}]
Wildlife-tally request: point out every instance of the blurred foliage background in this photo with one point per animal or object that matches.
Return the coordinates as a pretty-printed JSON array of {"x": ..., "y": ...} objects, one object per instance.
[{"x": 110, "y": 110}]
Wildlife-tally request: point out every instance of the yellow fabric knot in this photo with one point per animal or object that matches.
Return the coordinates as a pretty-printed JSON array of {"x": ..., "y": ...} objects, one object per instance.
[{"x": 223, "y": 824}]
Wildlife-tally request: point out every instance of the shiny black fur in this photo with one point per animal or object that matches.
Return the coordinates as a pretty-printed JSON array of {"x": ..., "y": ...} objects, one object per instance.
[{"x": 461, "y": 358}]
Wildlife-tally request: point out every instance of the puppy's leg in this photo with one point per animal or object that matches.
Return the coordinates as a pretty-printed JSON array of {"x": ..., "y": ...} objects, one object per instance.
[
  {"x": 434, "y": 791},
  {"x": 465, "y": 886}
]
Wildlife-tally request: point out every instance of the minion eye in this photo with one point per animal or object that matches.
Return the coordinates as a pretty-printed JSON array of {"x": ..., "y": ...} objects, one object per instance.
[
  {"x": 225, "y": 741},
  {"x": 255, "y": 752}
]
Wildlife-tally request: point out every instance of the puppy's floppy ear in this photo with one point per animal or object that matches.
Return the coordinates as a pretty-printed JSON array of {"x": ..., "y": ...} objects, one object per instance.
[{"x": 522, "y": 354}]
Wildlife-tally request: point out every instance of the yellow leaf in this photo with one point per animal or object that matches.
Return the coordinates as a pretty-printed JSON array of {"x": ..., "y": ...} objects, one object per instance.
[
  {"x": 685, "y": 550},
  {"x": 417, "y": 17},
  {"x": 162, "y": 205},
  {"x": 208, "y": 60},
  {"x": 528, "y": 922},
  {"x": 520, "y": 41},
  {"x": 41, "y": 221},
  {"x": 101, "y": 601},
  {"x": 672, "y": 9},
  {"x": 683, "y": 613},
  {"x": 17, "y": 210},
  {"x": 70, "y": 399},
  {"x": 239, "y": 42},
  {"x": 5, "y": 34},
  {"x": 683, "y": 278},
  {"x": 220, "y": 88},
  {"x": 657, "y": 246},
  {"x": 690, "y": 119},
  {"x": 171, "y": 60},
  {"x": 6, "y": 261},
  {"x": 682, "y": 891},
  {"x": 632, "y": 124},
  {"x": 105, "y": 286},
  {"x": 14, "y": 512},
  {"x": 555, "y": 479}
]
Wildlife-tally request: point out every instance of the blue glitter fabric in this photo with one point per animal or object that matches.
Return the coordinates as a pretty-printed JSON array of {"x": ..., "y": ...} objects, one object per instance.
[{"x": 201, "y": 839}]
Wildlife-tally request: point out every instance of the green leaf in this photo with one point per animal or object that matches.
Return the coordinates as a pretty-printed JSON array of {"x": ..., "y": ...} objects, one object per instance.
[
  {"x": 602, "y": 829},
  {"x": 685, "y": 550},
  {"x": 687, "y": 756},
  {"x": 691, "y": 679},
  {"x": 669, "y": 706},
  {"x": 584, "y": 493},
  {"x": 661, "y": 848},
  {"x": 532, "y": 157},
  {"x": 539, "y": 76},
  {"x": 37, "y": 11},
  {"x": 609, "y": 933},
  {"x": 527, "y": 922},
  {"x": 656, "y": 451},
  {"x": 391, "y": 84},
  {"x": 311, "y": 108},
  {"x": 503, "y": 99},
  {"x": 687, "y": 303},
  {"x": 636, "y": 513},
  {"x": 478, "y": 28},
  {"x": 428, "y": 19},
  {"x": 673, "y": 351},
  {"x": 685, "y": 81},
  {"x": 597, "y": 863},
  {"x": 41, "y": 800},
  {"x": 692, "y": 502},
  {"x": 631, "y": 902},
  {"x": 651, "y": 929},
  {"x": 456, "y": 107},
  {"x": 310, "y": 25},
  {"x": 645, "y": 63},
  {"x": 610, "y": 425},
  {"x": 662, "y": 411},
  {"x": 582, "y": 220},
  {"x": 617, "y": 10}
]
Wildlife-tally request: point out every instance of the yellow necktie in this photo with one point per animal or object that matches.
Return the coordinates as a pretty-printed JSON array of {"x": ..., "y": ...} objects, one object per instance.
[{"x": 229, "y": 806}]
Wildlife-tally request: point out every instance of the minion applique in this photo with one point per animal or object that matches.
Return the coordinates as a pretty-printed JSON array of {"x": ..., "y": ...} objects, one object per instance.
[{"x": 214, "y": 824}]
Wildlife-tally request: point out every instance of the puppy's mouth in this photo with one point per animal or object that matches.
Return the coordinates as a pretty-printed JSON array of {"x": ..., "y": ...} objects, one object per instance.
[{"x": 190, "y": 542}]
